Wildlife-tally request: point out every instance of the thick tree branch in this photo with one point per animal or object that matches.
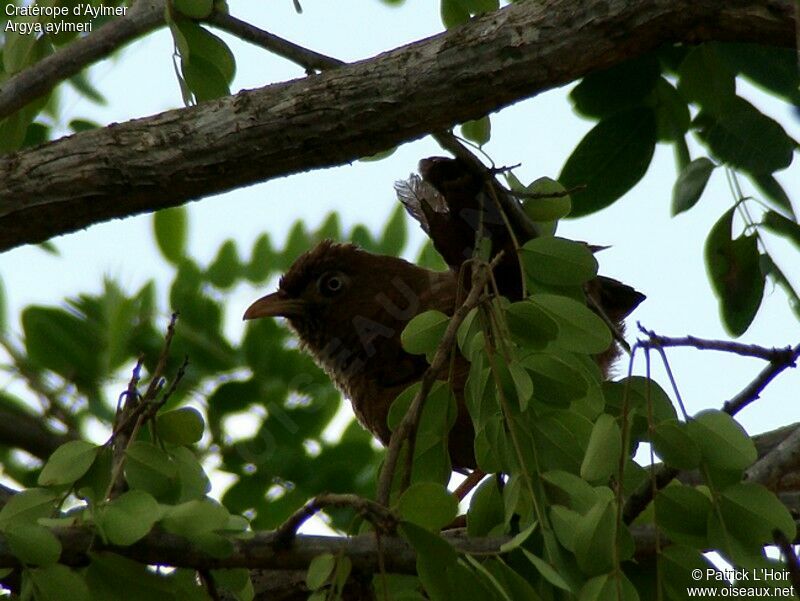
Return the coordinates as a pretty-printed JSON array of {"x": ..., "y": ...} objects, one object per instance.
[
  {"x": 22, "y": 430},
  {"x": 353, "y": 111},
  {"x": 25, "y": 86}
]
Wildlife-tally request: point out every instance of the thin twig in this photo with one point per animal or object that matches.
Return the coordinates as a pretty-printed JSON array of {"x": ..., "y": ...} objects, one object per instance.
[
  {"x": 137, "y": 409},
  {"x": 158, "y": 373},
  {"x": 780, "y": 359},
  {"x": 378, "y": 515},
  {"x": 753, "y": 390},
  {"x": 596, "y": 306},
  {"x": 789, "y": 554},
  {"x": 41, "y": 77},
  {"x": 308, "y": 59},
  {"x": 408, "y": 423},
  {"x": 777, "y": 355}
]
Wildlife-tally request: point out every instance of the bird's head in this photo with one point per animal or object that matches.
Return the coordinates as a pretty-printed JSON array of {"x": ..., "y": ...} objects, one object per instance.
[
  {"x": 318, "y": 285},
  {"x": 341, "y": 299}
]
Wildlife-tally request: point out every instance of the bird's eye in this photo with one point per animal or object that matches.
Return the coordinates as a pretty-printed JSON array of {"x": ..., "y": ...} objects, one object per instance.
[{"x": 331, "y": 284}]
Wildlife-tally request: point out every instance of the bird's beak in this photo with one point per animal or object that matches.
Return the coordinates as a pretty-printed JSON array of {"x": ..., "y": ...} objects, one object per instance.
[{"x": 277, "y": 304}]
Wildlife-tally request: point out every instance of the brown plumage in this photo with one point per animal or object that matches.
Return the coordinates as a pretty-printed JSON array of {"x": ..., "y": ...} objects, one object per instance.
[{"x": 348, "y": 307}]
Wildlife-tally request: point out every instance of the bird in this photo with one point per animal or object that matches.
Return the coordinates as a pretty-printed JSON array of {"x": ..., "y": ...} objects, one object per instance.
[{"x": 348, "y": 306}]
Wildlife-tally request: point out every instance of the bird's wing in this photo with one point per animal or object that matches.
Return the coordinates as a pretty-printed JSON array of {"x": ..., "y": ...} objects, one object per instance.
[{"x": 420, "y": 199}]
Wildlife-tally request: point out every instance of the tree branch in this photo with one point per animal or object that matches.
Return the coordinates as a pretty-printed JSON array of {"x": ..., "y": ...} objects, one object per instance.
[
  {"x": 377, "y": 514},
  {"x": 308, "y": 59},
  {"x": 353, "y": 111},
  {"x": 779, "y": 360},
  {"x": 40, "y": 78}
]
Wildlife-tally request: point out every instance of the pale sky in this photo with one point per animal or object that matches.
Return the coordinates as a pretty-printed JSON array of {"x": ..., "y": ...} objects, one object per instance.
[{"x": 660, "y": 256}]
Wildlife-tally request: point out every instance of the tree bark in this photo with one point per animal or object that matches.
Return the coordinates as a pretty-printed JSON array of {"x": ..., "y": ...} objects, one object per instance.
[{"x": 353, "y": 111}]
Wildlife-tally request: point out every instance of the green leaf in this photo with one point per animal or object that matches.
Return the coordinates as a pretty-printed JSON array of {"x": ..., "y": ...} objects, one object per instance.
[
  {"x": 705, "y": 79},
  {"x": 435, "y": 557},
  {"x": 149, "y": 468},
  {"x": 621, "y": 87},
  {"x": 203, "y": 48},
  {"x": 610, "y": 160},
  {"x": 752, "y": 513},
  {"x": 259, "y": 268},
  {"x": 773, "y": 192},
  {"x": 672, "y": 112},
  {"x": 557, "y": 378},
  {"x": 604, "y": 450},
  {"x": 565, "y": 522},
  {"x": 424, "y": 333},
  {"x": 678, "y": 562},
  {"x": 378, "y": 156},
  {"x": 171, "y": 229},
  {"x": 547, "y": 571},
  {"x": 579, "y": 329},
  {"x": 428, "y": 505},
  {"x": 745, "y": 138},
  {"x": 607, "y": 587},
  {"x": 182, "y": 426},
  {"x": 204, "y": 79},
  {"x": 564, "y": 488},
  {"x": 194, "y": 518},
  {"x": 128, "y": 518},
  {"x": 319, "y": 570},
  {"x": 561, "y": 439},
  {"x": 224, "y": 270},
  {"x": 523, "y": 385},
  {"x": 508, "y": 582},
  {"x": 485, "y": 515},
  {"x": 682, "y": 512},
  {"x": 393, "y": 238},
  {"x": 672, "y": 442},
  {"x": 530, "y": 325},
  {"x": 62, "y": 342},
  {"x": 558, "y": 261},
  {"x": 33, "y": 544},
  {"x": 453, "y": 13},
  {"x": 193, "y": 481},
  {"x": 69, "y": 462},
  {"x": 771, "y": 67},
  {"x": 58, "y": 583},
  {"x": 18, "y": 51},
  {"x": 723, "y": 442},
  {"x": 690, "y": 184},
  {"x": 595, "y": 538},
  {"x": 518, "y": 538},
  {"x": 547, "y": 208},
  {"x": 27, "y": 507},
  {"x": 479, "y": 131},
  {"x": 236, "y": 581},
  {"x": 194, "y": 9},
  {"x": 734, "y": 270},
  {"x": 778, "y": 224},
  {"x": 109, "y": 573}
]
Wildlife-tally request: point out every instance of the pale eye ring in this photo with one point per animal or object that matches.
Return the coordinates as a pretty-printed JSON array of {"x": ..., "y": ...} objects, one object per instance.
[{"x": 331, "y": 284}]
